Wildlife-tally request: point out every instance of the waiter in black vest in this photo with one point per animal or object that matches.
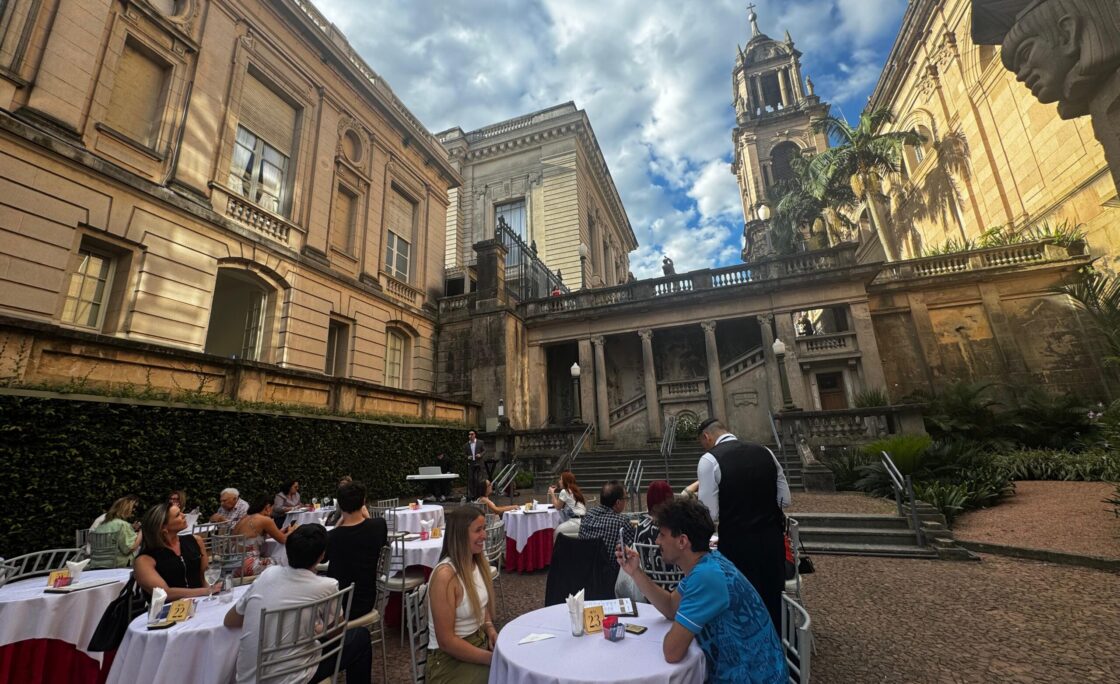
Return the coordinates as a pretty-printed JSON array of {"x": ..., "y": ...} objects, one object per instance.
[{"x": 739, "y": 485}]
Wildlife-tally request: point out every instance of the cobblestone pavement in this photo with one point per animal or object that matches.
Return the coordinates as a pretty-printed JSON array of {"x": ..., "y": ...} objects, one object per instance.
[
  {"x": 1056, "y": 516},
  {"x": 918, "y": 621},
  {"x": 839, "y": 502}
]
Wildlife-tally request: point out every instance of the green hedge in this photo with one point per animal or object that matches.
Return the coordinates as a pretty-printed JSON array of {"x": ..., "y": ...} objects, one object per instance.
[{"x": 64, "y": 461}]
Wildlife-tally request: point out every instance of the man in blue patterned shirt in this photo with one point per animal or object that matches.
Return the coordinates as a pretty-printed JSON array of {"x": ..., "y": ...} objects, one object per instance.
[{"x": 714, "y": 604}]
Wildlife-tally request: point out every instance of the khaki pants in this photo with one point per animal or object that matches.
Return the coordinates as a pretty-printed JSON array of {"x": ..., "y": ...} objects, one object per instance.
[{"x": 443, "y": 669}]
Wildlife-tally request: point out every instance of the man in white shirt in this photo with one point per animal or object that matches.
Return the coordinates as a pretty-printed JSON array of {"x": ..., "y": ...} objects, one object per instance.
[{"x": 283, "y": 587}]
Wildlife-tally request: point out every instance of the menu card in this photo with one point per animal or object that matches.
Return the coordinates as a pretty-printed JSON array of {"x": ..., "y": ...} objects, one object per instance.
[{"x": 622, "y": 607}]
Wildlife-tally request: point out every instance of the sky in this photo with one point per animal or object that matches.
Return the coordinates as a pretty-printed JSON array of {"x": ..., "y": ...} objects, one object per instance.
[{"x": 653, "y": 75}]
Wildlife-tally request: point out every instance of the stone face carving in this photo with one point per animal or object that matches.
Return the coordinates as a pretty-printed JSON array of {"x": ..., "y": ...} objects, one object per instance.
[{"x": 1064, "y": 49}]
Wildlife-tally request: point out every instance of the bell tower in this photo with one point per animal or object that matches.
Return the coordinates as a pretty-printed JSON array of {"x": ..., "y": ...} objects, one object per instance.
[{"x": 774, "y": 111}]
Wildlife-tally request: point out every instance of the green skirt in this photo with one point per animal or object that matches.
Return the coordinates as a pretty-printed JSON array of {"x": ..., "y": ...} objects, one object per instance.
[{"x": 443, "y": 669}]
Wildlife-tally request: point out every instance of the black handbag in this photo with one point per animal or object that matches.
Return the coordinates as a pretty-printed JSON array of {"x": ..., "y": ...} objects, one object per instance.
[{"x": 110, "y": 631}]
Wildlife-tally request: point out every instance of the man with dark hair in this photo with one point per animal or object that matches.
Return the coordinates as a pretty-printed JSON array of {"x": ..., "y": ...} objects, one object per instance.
[
  {"x": 474, "y": 451},
  {"x": 739, "y": 485},
  {"x": 605, "y": 520},
  {"x": 713, "y": 603},
  {"x": 354, "y": 547},
  {"x": 284, "y": 587}
]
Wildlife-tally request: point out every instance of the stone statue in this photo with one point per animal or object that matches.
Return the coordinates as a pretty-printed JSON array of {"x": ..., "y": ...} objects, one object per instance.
[
  {"x": 1064, "y": 49},
  {"x": 667, "y": 266},
  {"x": 809, "y": 85},
  {"x": 754, "y": 21}
]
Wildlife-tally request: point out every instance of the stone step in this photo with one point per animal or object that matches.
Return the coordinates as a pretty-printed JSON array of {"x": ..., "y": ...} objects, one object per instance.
[
  {"x": 850, "y": 521},
  {"x": 880, "y": 550},
  {"x": 847, "y": 535}
]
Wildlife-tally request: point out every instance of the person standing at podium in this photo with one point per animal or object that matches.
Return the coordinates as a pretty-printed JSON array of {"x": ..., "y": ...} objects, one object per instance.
[{"x": 474, "y": 451}]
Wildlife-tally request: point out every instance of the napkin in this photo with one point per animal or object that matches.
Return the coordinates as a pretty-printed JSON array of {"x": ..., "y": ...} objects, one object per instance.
[
  {"x": 426, "y": 528},
  {"x": 75, "y": 569},
  {"x": 159, "y": 597},
  {"x": 535, "y": 637},
  {"x": 420, "y": 502},
  {"x": 575, "y": 611}
]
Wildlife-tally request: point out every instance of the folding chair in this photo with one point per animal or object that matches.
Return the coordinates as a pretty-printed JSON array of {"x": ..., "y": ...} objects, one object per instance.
[
  {"x": 229, "y": 550},
  {"x": 395, "y": 502},
  {"x": 404, "y": 582},
  {"x": 102, "y": 550},
  {"x": 797, "y": 639},
  {"x": 302, "y": 636},
  {"x": 40, "y": 562},
  {"x": 416, "y": 616},
  {"x": 495, "y": 555},
  {"x": 81, "y": 540},
  {"x": 374, "y": 620},
  {"x": 793, "y": 586}
]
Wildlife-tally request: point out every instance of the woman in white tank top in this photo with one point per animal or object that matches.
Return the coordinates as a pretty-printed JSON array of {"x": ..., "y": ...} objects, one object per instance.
[{"x": 462, "y": 634}]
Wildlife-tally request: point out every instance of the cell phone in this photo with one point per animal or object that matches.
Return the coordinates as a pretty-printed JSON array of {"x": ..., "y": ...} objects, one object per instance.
[
  {"x": 622, "y": 542},
  {"x": 636, "y": 629}
]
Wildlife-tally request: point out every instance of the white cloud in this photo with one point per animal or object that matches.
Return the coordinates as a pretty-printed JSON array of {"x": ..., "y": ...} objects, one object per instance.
[{"x": 653, "y": 75}]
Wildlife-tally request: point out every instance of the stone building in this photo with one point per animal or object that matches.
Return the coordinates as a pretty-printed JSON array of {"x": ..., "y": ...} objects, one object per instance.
[
  {"x": 544, "y": 176},
  {"x": 220, "y": 196}
]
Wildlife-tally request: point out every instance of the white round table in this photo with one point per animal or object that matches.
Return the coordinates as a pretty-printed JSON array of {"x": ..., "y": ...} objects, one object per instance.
[
  {"x": 307, "y": 516},
  {"x": 520, "y": 526},
  {"x": 277, "y": 551},
  {"x": 408, "y": 520},
  {"x": 590, "y": 658},
  {"x": 417, "y": 552},
  {"x": 201, "y": 649},
  {"x": 26, "y": 612}
]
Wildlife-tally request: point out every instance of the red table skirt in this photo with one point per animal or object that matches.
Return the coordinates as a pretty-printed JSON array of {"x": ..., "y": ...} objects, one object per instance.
[
  {"x": 537, "y": 553},
  {"x": 44, "y": 661}
]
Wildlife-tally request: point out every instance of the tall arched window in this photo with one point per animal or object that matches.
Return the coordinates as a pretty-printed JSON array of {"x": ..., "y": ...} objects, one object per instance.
[
  {"x": 398, "y": 358},
  {"x": 780, "y": 157},
  {"x": 914, "y": 155},
  {"x": 238, "y": 315}
]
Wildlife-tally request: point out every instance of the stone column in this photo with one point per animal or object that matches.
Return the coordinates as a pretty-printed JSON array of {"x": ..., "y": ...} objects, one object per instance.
[
  {"x": 773, "y": 390},
  {"x": 871, "y": 362},
  {"x": 586, "y": 382},
  {"x": 715, "y": 376},
  {"x": 603, "y": 413},
  {"x": 782, "y": 75},
  {"x": 784, "y": 327},
  {"x": 649, "y": 371},
  {"x": 758, "y": 91}
]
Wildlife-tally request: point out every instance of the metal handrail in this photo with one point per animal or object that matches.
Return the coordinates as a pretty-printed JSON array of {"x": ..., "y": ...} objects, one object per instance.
[
  {"x": 505, "y": 476},
  {"x": 903, "y": 486},
  {"x": 565, "y": 462},
  {"x": 668, "y": 441},
  {"x": 774, "y": 429},
  {"x": 633, "y": 482}
]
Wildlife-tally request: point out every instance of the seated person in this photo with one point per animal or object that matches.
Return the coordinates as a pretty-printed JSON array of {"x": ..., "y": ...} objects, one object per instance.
[
  {"x": 657, "y": 493},
  {"x": 568, "y": 499},
  {"x": 169, "y": 560},
  {"x": 462, "y": 634},
  {"x": 254, "y": 527},
  {"x": 287, "y": 499},
  {"x": 281, "y": 587},
  {"x": 490, "y": 505},
  {"x": 354, "y": 546},
  {"x": 118, "y": 522},
  {"x": 713, "y": 604},
  {"x": 231, "y": 507},
  {"x": 334, "y": 516},
  {"x": 604, "y": 521}
]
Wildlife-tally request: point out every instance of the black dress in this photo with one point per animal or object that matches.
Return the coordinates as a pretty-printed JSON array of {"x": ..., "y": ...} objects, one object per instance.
[
  {"x": 353, "y": 551},
  {"x": 179, "y": 571}
]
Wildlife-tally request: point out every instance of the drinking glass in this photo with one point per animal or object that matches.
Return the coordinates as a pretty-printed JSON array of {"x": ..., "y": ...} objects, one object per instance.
[{"x": 212, "y": 574}]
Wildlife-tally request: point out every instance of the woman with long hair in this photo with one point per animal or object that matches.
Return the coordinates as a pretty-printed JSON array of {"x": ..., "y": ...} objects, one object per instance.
[
  {"x": 118, "y": 522},
  {"x": 255, "y": 526},
  {"x": 460, "y": 613},
  {"x": 657, "y": 493},
  {"x": 171, "y": 561},
  {"x": 568, "y": 499}
]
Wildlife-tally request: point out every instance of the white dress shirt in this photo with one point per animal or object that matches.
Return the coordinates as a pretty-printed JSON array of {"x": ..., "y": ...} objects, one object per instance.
[{"x": 707, "y": 472}]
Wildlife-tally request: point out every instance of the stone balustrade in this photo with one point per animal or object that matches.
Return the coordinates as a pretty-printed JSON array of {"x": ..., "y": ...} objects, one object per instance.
[
  {"x": 627, "y": 409},
  {"x": 753, "y": 357},
  {"x": 407, "y": 294},
  {"x": 849, "y": 426},
  {"x": 1025, "y": 254},
  {"x": 553, "y": 440},
  {"x": 259, "y": 220},
  {"x": 457, "y": 304},
  {"x": 831, "y": 344}
]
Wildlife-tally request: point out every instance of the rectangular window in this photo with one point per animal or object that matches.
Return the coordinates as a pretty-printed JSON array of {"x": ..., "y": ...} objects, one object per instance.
[
  {"x": 343, "y": 219},
  {"x": 139, "y": 89},
  {"x": 90, "y": 283},
  {"x": 398, "y": 242},
  {"x": 338, "y": 339},
  {"x": 254, "y": 323},
  {"x": 513, "y": 213},
  {"x": 394, "y": 360},
  {"x": 262, "y": 152}
]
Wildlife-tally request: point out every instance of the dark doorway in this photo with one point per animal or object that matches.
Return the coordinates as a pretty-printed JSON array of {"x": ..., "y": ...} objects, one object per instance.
[{"x": 830, "y": 388}]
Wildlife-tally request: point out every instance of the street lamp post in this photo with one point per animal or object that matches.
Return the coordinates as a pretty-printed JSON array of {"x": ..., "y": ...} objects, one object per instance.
[
  {"x": 780, "y": 353},
  {"x": 583, "y": 254},
  {"x": 575, "y": 392}
]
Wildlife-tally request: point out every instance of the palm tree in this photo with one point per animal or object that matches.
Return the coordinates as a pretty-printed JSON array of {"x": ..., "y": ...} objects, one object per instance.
[
  {"x": 863, "y": 156},
  {"x": 802, "y": 199},
  {"x": 938, "y": 196}
]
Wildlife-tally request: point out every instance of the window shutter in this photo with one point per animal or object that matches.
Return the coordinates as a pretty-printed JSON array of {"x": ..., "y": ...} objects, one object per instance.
[
  {"x": 134, "y": 107},
  {"x": 342, "y": 221},
  {"x": 266, "y": 114},
  {"x": 401, "y": 212}
]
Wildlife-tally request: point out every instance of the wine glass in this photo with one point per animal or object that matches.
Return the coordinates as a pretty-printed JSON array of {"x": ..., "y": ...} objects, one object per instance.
[{"x": 213, "y": 574}]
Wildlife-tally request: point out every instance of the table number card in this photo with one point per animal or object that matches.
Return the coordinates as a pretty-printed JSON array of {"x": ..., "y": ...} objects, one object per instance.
[
  {"x": 58, "y": 578},
  {"x": 593, "y": 620},
  {"x": 180, "y": 610}
]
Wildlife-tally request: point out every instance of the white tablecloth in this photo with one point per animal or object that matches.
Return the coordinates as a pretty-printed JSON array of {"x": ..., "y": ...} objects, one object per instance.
[
  {"x": 303, "y": 517},
  {"x": 28, "y": 613},
  {"x": 566, "y": 659},
  {"x": 418, "y": 552},
  {"x": 277, "y": 551},
  {"x": 201, "y": 650},
  {"x": 408, "y": 520},
  {"x": 521, "y": 525}
]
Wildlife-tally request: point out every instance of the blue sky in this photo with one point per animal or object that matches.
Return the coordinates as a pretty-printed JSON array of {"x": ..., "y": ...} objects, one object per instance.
[{"x": 653, "y": 75}]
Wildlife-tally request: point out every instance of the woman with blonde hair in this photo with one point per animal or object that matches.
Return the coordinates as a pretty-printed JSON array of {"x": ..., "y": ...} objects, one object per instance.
[
  {"x": 117, "y": 523},
  {"x": 462, "y": 636},
  {"x": 171, "y": 561}
]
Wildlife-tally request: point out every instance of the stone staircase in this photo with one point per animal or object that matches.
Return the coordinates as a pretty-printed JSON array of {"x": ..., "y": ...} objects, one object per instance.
[{"x": 877, "y": 535}]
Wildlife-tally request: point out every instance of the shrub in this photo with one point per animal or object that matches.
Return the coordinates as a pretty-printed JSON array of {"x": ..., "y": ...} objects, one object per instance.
[
  {"x": 688, "y": 427},
  {"x": 965, "y": 411},
  {"x": 1047, "y": 420},
  {"x": 871, "y": 398},
  {"x": 845, "y": 465},
  {"x": 64, "y": 461},
  {"x": 905, "y": 450},
  {"x": 1091, "y": 465},
  {"x": 947, "y": 497}
]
